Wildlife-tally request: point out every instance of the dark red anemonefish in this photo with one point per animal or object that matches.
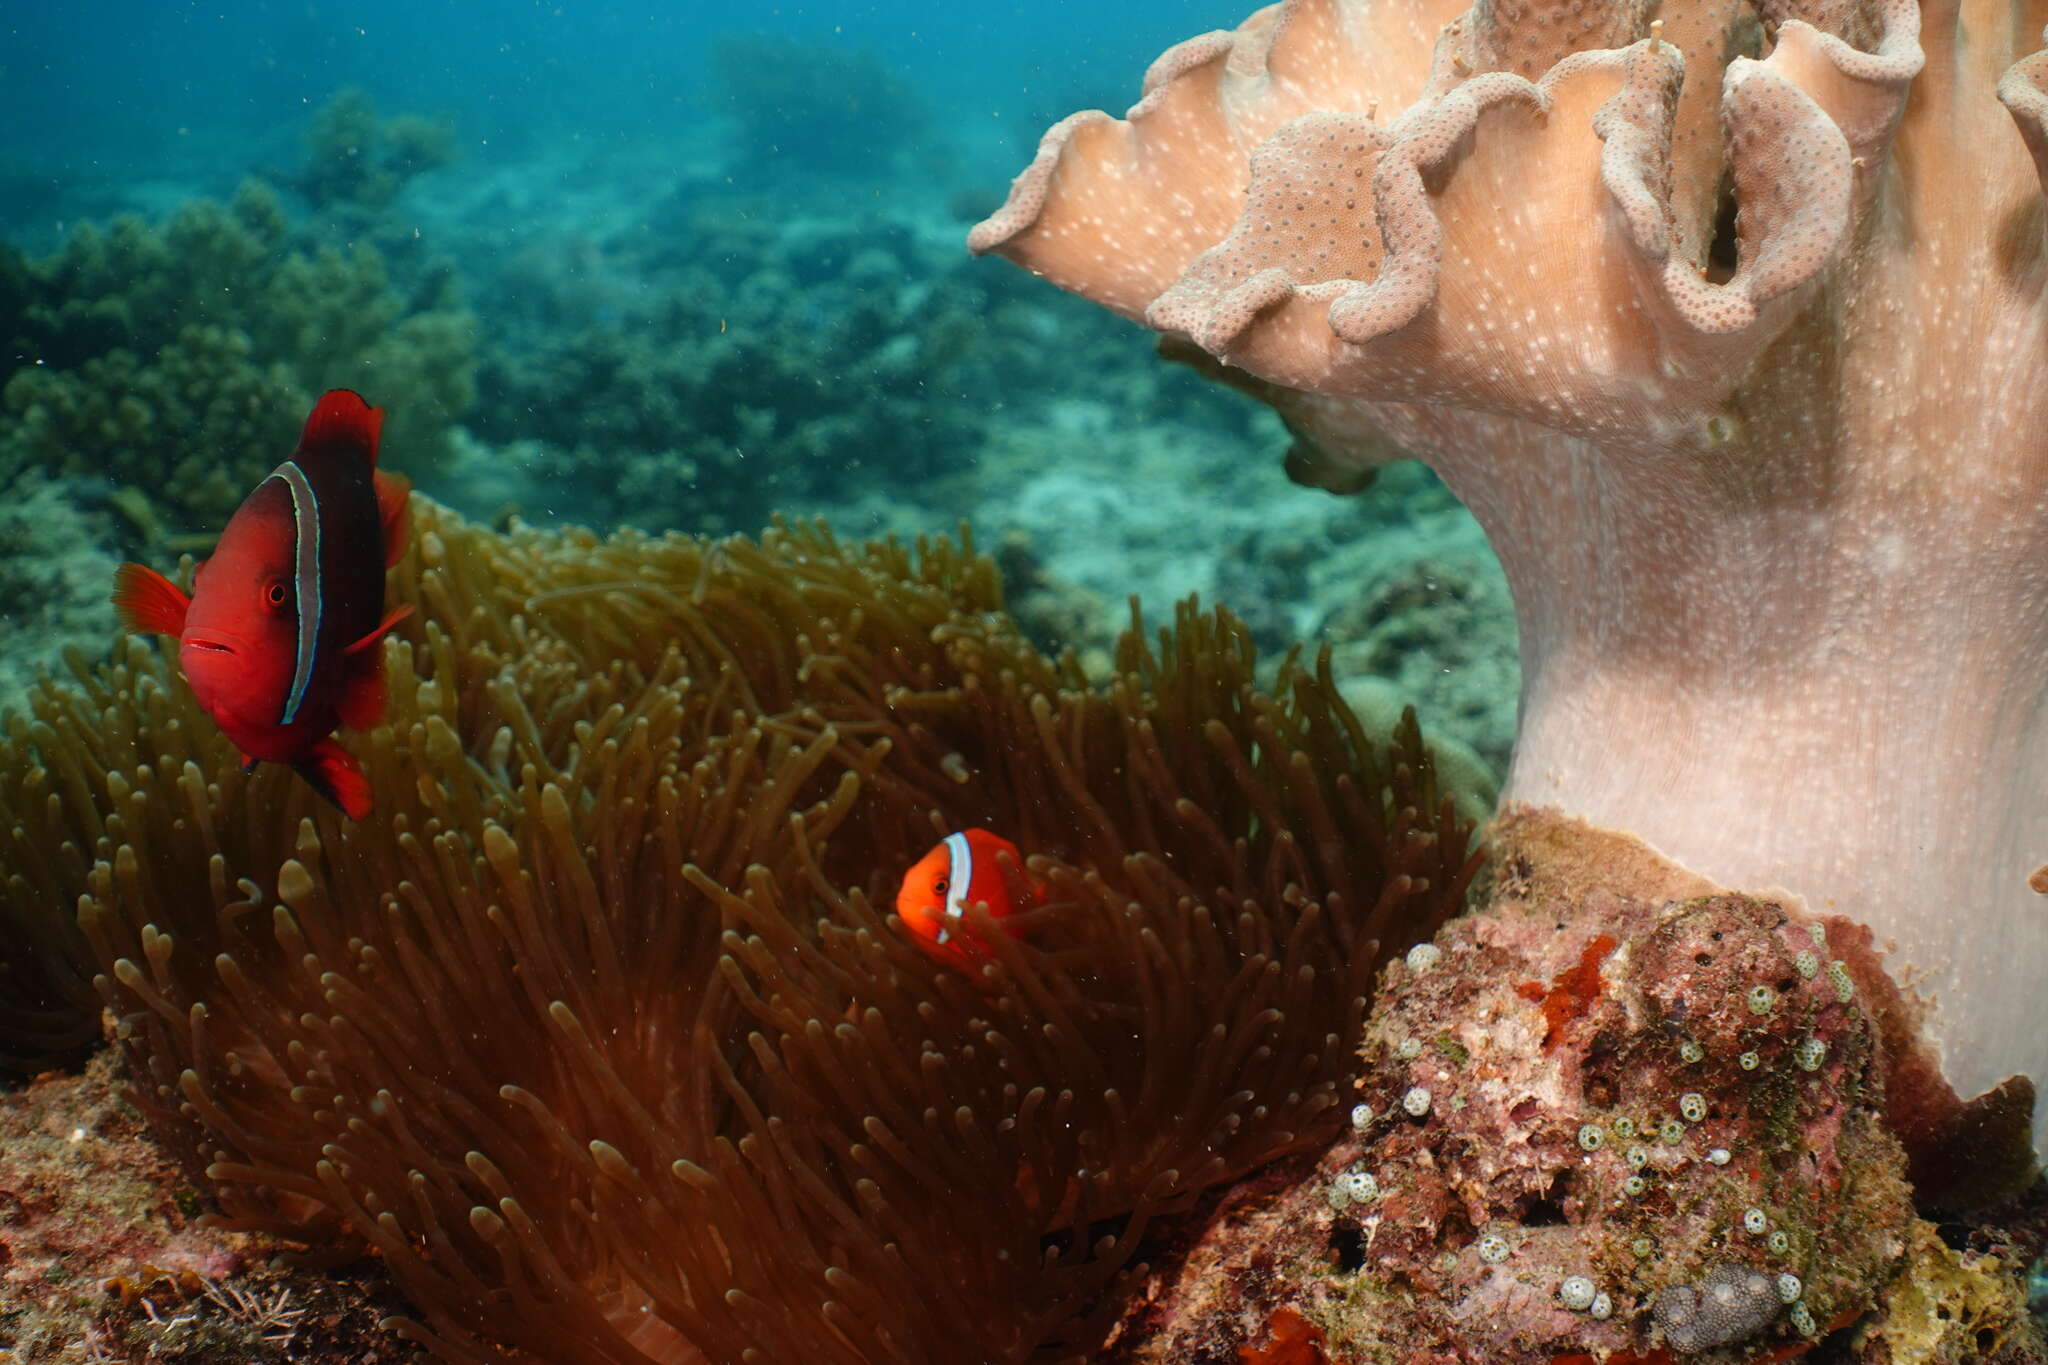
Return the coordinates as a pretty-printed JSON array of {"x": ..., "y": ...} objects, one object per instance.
[
  {"x": 963, "y": 870},
  {"x": 280, "y": 637}
]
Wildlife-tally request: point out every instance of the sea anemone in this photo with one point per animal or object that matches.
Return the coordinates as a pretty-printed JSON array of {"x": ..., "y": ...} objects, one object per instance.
[{"x": 598, "y": 1031}]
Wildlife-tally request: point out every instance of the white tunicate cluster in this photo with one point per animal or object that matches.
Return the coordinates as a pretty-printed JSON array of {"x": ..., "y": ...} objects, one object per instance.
[
  {"x": 1807, "y": 965},
  {"x": 1576, "y": 1293},
  {"x": 1762, "y": 1000},
  {"x": 1789, "y": 1287},
  {"x": 1749, "y": 1061},
  {"x": 1602, "y": 1308},
  {"x": 1416, "y": 1101},
  {"x": 1844, "y": 987},
  {"x": 1493, "y": 1248},
  {"x": 1693, "y": 1106},
  {"x": 1718, "y": 1156},
  {"x": 1690, "y": 1050},
  {"x": 1634, "y": 1186},
  {"x": 1779, "y": 1241},
  {"x": 1590, "y": 1136},
  {"x": 1802, "y": 1320},
  {"x": 1624, "y": 1127},
  {"x": 1671, "y": 1132},
  {"x": 1423, "y": 956},
  {"x": 1361, "y": 1117},
  {"x": 1810, "y": 1053},
  {"x": 1637, "y": 1158},
  {"x": 1354, "y": 1186},
  {"x": 1754, "y": 1222},
  {"x": 1408, "y": 1049}
]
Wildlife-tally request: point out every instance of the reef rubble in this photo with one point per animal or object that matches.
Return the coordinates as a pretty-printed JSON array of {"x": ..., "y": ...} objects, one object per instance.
[{"x": 1616, "y": 1115}]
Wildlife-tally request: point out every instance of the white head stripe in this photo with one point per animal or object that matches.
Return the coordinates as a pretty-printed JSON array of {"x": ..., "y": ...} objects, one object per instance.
[
  {"x": 305, "y": 580},
  {"x": 960, "y": 875}
]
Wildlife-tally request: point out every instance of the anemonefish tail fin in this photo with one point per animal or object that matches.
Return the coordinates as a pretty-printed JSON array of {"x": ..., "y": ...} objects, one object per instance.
[
  {"x": 333, "y": 772},
  {"x": 147, "y": 602},
  {"x": 342, "y": 418},
  {"x": 364, "y": 694},
  {"x": 393, "y": 493}
]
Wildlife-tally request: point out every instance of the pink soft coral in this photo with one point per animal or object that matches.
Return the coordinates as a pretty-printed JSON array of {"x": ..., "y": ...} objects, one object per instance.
[{"x": 1728, "y": 326}]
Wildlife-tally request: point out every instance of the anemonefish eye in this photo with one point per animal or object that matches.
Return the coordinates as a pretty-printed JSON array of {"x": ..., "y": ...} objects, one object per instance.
[
  {"x": 940, "y": 886},
  {"x": 276, "y": 593}
]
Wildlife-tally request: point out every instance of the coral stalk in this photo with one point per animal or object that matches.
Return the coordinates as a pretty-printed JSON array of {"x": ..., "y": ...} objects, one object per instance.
[{"x": 1728, "y": 325}]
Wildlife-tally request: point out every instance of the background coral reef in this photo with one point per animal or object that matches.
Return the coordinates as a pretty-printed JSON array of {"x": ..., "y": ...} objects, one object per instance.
[
  {"x": 684, "y": 333},
  {"x": 177, "y": 361}
]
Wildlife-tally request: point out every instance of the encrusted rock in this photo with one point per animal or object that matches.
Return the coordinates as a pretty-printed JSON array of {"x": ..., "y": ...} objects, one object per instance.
[{"x": 1590, "y": 1124}]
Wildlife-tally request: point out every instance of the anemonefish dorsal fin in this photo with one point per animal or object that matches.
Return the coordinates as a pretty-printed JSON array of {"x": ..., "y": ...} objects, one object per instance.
[
  {"x": 393, "y": 493},
  {"x": 364, "y": 695},
  {"x": 333, "y": 772},
  {"x": 146, "y": 601},
  {"x": 343, "y": 418}
]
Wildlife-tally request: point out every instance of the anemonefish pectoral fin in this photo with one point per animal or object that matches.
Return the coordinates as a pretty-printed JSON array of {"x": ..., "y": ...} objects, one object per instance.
[
  {"x": 146, "y": 601},
  {"x": 394, "y": 491},
  {"x": 342, "y": 417},
  {"x": 333, "y": 772},
  {"x": 249, "y": 764},
  {"x": 391, "y": 618},
  {"x": 363, "y": 693}
]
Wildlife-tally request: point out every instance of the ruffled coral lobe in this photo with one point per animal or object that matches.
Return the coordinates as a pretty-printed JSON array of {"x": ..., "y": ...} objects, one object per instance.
[{"x": 1727, "y": 322}]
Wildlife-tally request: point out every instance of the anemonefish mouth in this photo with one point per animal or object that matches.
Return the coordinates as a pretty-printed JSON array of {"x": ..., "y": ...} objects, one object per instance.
[{"x": 208, "y": 641}]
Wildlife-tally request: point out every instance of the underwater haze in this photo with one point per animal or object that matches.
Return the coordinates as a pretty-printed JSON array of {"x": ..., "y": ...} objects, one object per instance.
[{"x": 684, "y": 267}]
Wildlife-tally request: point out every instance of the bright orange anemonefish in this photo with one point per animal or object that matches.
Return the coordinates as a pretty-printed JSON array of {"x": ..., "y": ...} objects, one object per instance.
[
  {"x": 280, "y": 637},
  {"x": 963, "y": 870}
]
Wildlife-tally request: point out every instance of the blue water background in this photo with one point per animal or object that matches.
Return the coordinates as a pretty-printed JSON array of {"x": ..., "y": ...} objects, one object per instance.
[{"x": 147, "y": 89}]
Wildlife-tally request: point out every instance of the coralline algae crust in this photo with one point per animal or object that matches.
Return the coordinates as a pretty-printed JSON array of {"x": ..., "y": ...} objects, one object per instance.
[{"x": 1591, "y": 1137}]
